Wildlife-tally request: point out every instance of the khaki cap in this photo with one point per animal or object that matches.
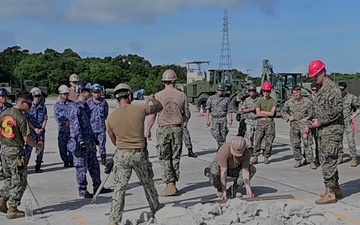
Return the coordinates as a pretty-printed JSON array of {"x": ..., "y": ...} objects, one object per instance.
[
  {"x": 63, "y": 89},
  {"x": 73, "y": 77},
  {"x": 237, "y": 146}
]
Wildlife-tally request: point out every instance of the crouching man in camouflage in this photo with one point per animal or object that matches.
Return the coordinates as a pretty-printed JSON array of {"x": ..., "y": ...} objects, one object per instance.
[
  {"x": 232, "y": 159},
  {"x": 125, "y": 127},
  {"x": 295, "y": 110}
]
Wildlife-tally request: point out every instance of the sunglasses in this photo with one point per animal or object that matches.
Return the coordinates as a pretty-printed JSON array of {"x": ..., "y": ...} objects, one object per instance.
[
  {"x": 251, "y": 90},
  {"x": 37, "y": 96},
  {"x": 313, "y": 89},
  {"x": 28, "y": 103},
  {"x": 267, "y": 91}
]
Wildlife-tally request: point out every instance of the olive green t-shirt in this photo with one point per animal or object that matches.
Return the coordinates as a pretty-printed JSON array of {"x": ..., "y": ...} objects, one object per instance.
[
  {"x": 265, "y": 104},
  {"x": 14, "y": 127}
]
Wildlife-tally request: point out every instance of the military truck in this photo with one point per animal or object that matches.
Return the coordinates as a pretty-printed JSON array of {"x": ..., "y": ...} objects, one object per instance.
[
  {"x": 282, "y": 84},
  {"x": 25, "y": 85},
  {"x": 201, "y": 85}
]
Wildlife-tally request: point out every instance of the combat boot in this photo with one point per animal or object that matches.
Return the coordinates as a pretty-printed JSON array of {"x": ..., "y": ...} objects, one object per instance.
[
  {"x": 14, "y": 213},
  {"x": 169, "y": 190},
  {"x": 3, "y": 206},
  {"x": 266, "y": 160},
  {"x": 37, "y": 168},
  {"x": 254, "y": 160},
  {"x": 191, "y": 153},
  {"x": 340, "y": 159},
  {"x": 354, "y": 162},
  {"x": 297, "y": 164},
  {"x": 337, "y": 191},
  {"x": 85, "y": 194},
  {"x": 328, "y": 198},
  {"x": 313, "y": 166}
]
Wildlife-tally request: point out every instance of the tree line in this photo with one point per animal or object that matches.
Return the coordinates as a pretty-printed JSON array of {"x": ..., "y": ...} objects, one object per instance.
[{"x": 51, "y": 68}]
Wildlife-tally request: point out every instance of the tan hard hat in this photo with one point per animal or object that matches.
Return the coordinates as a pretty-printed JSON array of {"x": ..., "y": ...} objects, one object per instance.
[
  {"x": 35, "y": 91},
  {"x": 122, "y": 89},
  {"x": 237, "y": 146},
  {"x": 73, "y": 77},
  {"x": 63, "y": 89},
  {"x": 169, "y": 75}
]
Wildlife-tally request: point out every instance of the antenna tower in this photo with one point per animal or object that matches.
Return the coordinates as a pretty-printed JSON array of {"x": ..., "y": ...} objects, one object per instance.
[{"x": 225, "y": 53}]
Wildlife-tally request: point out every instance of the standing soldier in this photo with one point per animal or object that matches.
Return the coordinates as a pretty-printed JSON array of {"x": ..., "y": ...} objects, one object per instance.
[
  {"x": 15, "y": 132},
  {"x": 3, "y": 106},
  {"x": 126, "y": 131},
  {"x": 351, "y": 109},
  {"x": 265, "y": 128},
  {"x": 170, "y": 132},
  {"x": 218, "y": 106},
  {"x": 314, "y": 89},
  {"x": 37, "y": 117},
  {"x": 73, "y": 80},
  {"x": 295, "y": 111},
  {"x": 248, "y": 109},
  {"x": 328, "y": 117},
  {"x": 63, "y": 122},
  {"x": 82, "y": 143},
  {"x": 240, "y": 116},
  {"x": 99, "y": 112}
]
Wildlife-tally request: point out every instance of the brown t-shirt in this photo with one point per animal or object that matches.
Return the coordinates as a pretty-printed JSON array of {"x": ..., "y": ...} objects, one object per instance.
[
  {"x": 174, "y": 104},
  {"x": 72, "y": 95},
  {"x": 127, "y": 123},
  {"x": 224, "y": 158}
]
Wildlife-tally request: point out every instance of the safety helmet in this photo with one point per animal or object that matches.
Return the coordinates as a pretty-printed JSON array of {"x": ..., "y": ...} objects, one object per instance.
[
  {"x": 35, "y": 91},
  {"x": 315, "y": 67},
  {"x": 169, "y": 75},
  {"x": 74, "y": 77},
  {"x": 96, "y": 87},
  {"x": 63, "y": 89},
  {"x": 121, "y": 90},
  {"x": 220, "y": 87},
  {"x": 4, "y": 92},
  {"x": 252, "y": 87},
  {"x": 267, "y": 86},
  {"x": 82, "y": 86}
]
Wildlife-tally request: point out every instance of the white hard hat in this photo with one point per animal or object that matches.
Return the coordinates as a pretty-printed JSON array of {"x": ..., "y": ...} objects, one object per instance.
[
  {"x": 73, "y": 77},
  {"x": 35, "y": 91},
  {"x": 63, "y": 89},
  {"x": 122, "y": 89}
]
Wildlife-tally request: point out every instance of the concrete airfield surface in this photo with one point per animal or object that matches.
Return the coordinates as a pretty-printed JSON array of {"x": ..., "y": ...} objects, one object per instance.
[{"x": 55, "y": 197}]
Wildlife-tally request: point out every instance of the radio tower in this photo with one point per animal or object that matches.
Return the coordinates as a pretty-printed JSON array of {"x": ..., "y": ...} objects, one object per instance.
[{"x": 225, "y": 53}]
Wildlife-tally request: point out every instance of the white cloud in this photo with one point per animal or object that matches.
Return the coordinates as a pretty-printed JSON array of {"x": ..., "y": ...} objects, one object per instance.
[{"x": 32, "y": 8}]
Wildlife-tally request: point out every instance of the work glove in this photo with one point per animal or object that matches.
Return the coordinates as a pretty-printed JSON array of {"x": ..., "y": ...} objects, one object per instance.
[{"x": 109, "y": 166}]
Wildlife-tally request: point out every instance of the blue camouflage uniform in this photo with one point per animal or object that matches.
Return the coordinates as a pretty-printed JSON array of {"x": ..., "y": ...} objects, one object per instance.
[
  {"x": 99, "y": 113},
  {"x": 60, "y": 110},
  {"x": 36, "y": 116},
  {"x": 82, "y": 145}
]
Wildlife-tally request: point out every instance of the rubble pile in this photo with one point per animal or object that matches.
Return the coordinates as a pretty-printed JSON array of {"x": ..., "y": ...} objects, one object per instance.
[{"x": 237, "y": 211}]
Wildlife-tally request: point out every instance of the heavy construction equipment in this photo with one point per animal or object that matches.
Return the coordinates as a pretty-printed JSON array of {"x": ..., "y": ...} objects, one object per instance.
[
  {"x": 282, "y": 84},
  {"x": 201, "y": 85}
]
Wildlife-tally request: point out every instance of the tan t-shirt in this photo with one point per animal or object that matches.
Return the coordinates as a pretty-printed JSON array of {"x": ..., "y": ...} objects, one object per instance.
[
  {"x": 72, "y": 95},
  {"x": 127, "y": 123},
  {"x": 224, "y": 158},
  {"x": 174, "y": 104}
]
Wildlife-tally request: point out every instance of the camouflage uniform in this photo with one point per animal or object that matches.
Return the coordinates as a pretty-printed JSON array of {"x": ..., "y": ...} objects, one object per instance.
[
  {"x": 219, "y": 108},
  {"x": 351, "y": 105},
  {"x": 299, "y": 109},
  {"x": 99, "y": 113},
  {"x": 250, "y": 121},
  {"x": 328, "y": 110},
  {"x": 36, "y": 116},
  {"x": 81, "y": 133},
  {"x": 60, "y": 110},
  {"x": 2, "y": 109},
  {"x": 187, "y": 138}
]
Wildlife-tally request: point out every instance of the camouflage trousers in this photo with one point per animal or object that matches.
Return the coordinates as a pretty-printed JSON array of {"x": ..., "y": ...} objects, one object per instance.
[
  {"x": 329, "y": 153},
  {"x": 296, "y": 136},
  {"x": 265, "y": 129},
  {"x": 349, "y": 132},
  {"x": 169, "y": 149},
  {"x": 125, "y": 161},
  {"x": 214, "y": 175},
  {"x": 250, "y": 132},
  {"x": 219, "y": 129},
  {"x": 187, "y": 138},
  {"x": 15, "y": 172}
]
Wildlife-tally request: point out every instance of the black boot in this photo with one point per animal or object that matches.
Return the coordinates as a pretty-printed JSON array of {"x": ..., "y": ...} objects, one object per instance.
[
  {"x": 37, "y": 168},
  {"x": 85, "y": 194},
  {"x": 103, "y": 190},
  {"x": 191, "y": 153},
  {"x": 103, "y": 160}
]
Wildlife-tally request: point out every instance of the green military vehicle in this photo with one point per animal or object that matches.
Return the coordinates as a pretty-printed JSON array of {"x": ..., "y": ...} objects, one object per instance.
[
  {"x": 25, "y": 85},
  {"x": 282, "y": 84},
  {"x": 201, "y": 85}
]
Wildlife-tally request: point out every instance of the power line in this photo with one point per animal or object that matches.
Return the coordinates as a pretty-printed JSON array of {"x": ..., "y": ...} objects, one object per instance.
[{"x": 225, "y": 53}]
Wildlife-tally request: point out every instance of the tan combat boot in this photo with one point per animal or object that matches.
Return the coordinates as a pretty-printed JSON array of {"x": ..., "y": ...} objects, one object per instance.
[
  {"x": 340, "y": 159},
  {"x": 337, "y": 191},
  {"x": 14, "y": 213},
  {"x": 313, "y": 166},
  {"x": 170, "y": 190},
  {"x": 328, "y": 198},
  {"x": 3, "y": 206},
  {"x": 297, "y": 164},
  {"x": 254, "y": 160},
  {"x": 266, "y": 160},
  {"x": 354, "y": 162}
]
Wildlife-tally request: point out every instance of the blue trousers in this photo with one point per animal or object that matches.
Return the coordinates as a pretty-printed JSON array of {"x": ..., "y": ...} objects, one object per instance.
[
  {"x": 28, "y": 148},
  {"x": 100, "y": 139},
  {"x": 63, "y": 139}
]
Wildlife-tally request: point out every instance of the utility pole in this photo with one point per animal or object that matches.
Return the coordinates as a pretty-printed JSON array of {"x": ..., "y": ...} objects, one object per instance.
[{"x": 225, "y": 53}]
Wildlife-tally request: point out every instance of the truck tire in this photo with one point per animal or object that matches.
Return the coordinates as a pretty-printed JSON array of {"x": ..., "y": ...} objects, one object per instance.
[
  {"x": 141, "y": 97},
  {"x": 202, "y": 101}
]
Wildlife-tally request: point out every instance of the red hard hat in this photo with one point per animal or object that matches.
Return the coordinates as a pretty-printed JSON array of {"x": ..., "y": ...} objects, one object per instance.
[
  {"x": 315, "y": 67},
  {"x": 267, "y": 86}
]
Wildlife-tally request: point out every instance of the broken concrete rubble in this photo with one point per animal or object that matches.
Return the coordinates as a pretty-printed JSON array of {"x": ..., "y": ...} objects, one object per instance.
[{"x": 237, "y": 211}]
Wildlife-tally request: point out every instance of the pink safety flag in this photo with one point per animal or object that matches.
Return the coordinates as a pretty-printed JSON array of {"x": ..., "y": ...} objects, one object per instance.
[{"x": 353, "y": 122}]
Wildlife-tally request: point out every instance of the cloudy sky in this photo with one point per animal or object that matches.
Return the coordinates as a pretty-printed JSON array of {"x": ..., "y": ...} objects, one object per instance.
[{"x": 287, "y": 32}]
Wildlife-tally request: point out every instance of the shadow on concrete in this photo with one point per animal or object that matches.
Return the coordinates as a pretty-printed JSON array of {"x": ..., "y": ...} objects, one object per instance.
[
  {"x": 351, "y": 187},
  {"x": 194, "y": 186},
  {"x": 283, "y": 158},
  {"x": 280, "y": 149},
  {"x": 205, "y": 151},
  {"x": 138, "y": 184}
]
